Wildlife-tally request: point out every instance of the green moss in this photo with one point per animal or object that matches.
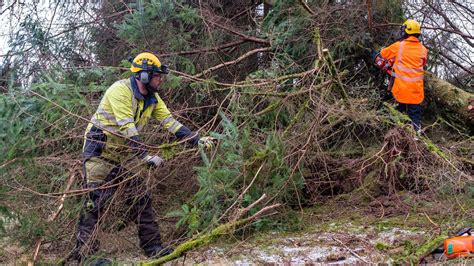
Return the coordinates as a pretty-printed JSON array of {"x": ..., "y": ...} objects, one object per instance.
[
  {"x": 199, "y": 240},
  {"x": 382, "y": 246},
  {"x": 413, "y": 252}
]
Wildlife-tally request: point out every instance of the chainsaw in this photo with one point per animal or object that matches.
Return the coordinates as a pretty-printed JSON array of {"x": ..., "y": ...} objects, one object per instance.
[
  {"x": 459, "y": 246},
  {"x": 384, "y": 64}
]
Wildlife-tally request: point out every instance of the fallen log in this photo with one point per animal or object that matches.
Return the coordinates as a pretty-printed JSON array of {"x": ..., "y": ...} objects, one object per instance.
[{"x": 450, "y": 97}]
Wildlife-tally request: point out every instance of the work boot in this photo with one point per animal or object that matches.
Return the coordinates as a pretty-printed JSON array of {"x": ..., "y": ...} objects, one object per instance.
[
  {"x": 79, "y": 253},
  {"x": 158, "y": 252},
  {"x": 74, "y": 256}
]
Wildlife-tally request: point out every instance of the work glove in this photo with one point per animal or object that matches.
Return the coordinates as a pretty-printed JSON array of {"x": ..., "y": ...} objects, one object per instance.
[
  {"x": 207, "y": 142},
  {"x": 373, "y": 54},
  {"x": 154, "y": 161}
]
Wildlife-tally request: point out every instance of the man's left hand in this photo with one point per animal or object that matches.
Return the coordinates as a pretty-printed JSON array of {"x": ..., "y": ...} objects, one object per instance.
[
  {"x": 154, "y": 161},
  {"x": 207, "y": 142}
]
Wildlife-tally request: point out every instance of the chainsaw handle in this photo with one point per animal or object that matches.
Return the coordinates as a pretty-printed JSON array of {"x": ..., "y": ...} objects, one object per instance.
[{"x": 466, "y": 230}]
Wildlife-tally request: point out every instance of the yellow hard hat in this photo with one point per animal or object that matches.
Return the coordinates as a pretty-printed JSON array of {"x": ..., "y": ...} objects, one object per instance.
[
  {"x": 411, "y": 27},
  {"x": 148, "y": 62}
]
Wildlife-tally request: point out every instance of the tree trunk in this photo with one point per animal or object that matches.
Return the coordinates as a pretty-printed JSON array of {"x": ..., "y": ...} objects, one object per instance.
[{"x": 450, "y": 97}]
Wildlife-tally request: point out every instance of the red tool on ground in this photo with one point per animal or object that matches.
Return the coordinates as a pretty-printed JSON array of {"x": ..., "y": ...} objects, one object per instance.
[{"x": 461, "y": 245}]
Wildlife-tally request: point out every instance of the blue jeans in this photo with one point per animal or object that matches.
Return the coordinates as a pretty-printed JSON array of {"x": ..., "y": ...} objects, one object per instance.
[{"x": 413, "y": 111}]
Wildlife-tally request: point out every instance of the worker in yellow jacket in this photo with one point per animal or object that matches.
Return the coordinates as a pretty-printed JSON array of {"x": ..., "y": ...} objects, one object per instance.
[{"x": 111, "y": 139}]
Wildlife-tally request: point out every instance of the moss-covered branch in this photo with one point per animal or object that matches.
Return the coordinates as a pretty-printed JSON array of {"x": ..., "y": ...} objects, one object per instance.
[
  {"x": 336, "y": 76},
  {"x": 206, "y": 238}
]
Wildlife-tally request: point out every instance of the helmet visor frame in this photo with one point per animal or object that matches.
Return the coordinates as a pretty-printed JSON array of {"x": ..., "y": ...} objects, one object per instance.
[{"x": 163, "y": 69}]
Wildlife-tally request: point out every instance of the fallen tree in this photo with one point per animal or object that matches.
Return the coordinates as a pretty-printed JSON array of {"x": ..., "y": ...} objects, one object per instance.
[
  {"x": 450, "y": 97},
  {"x": 289, "y": 115}
]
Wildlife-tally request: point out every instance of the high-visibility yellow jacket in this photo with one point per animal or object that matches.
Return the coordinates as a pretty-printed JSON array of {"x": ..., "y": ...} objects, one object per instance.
[
  {"x": 410, "y": 58},
  {"x": 122, "y": 113}
]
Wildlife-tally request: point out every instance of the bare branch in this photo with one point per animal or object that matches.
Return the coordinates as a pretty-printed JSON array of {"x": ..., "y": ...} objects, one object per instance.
[
  {"x": 452, "y": 60},
  {"x": 246, "y": 37},
  {"x": 8, "y": 7},
  {"x": 55, "y": 214},
  {"x": 439, "y": 12},
  {"x": 306, "y": 7},
  {"x": 200, "y": 51},
  {"x": 242, "y": 57}
]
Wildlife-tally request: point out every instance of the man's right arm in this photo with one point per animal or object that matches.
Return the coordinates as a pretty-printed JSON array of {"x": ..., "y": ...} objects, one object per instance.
[
  {"x": 162, "y": 114},
  {"x": 391, "y": 51}
]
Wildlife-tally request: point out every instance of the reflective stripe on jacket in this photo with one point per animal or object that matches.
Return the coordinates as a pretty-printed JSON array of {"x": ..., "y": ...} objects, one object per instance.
[
  {"x": 410, "y": 58},
  {"x": 122, "y": 113}
]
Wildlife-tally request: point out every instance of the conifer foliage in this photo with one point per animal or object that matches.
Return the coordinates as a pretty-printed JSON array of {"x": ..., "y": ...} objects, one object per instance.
[{"x": 285, "y": 86}]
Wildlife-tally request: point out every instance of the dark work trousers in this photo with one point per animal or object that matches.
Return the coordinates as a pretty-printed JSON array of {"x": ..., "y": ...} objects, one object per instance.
[
  {"x": 414, "y": 111},
  {"x": 140, "y": 211}
]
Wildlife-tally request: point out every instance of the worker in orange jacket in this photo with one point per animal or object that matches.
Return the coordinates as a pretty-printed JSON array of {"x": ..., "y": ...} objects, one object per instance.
[{"x": 409, "y": 57}]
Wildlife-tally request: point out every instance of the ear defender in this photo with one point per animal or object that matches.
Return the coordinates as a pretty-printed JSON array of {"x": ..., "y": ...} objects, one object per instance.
[
  {"x": 144, "y": 71},
  {"x": 403, "y": 33},
  {"x": 144, "y": 77}
]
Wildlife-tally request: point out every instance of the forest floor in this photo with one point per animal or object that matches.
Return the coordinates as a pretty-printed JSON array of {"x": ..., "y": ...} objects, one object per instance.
[
  {"x": 338, "y": 233},
  {"x": 384, "y": 230},
  {"x": 344, "y": 230}
]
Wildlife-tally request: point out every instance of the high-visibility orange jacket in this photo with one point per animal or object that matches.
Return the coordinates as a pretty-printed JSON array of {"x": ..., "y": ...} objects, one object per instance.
[{"x": 410, "y": 58}]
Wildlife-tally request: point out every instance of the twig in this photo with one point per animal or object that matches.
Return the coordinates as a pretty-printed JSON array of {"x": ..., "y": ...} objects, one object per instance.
[
  {"x": 262, "y": 211},
  {"x": 246, "y": 37},
  {"x": 306, "y": 7},
  {"x": 216, "y": 48},
  {"x": 53, "y": 215},
  {"x": 8, "y": 162},
  {"x": 350, "y": 250},
  {"x": 66, "y": 31},
  {"x": 245, "y": 210},
  {"x": 451, "y": 59},
  {"x": 241, "y": 196},
  {"x": 428, "y": 28},
  {"x": 431, "y": 221},
  {"x": 442, "y": 14},
  {"x": 10, "y": 6}
]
